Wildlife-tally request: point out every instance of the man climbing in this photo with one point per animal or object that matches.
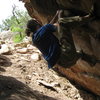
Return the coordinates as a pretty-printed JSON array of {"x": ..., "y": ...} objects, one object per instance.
[
  {"x": 44, "y": 39},
  {"x": 65, "y": 54}
]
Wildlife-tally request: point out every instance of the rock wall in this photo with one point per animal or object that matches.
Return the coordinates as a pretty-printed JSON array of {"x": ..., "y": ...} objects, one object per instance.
[{"x": 86, "y": 37}]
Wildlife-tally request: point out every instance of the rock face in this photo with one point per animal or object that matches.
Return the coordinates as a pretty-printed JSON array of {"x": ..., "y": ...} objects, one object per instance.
[{"x": 86, "y": 37}]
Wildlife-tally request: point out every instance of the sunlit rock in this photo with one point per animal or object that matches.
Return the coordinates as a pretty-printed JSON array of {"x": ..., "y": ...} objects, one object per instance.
[
  {"x": 35, "y": 57},
  {"x": 22, "y": 50},
  {"x": 4, "y": 49}
]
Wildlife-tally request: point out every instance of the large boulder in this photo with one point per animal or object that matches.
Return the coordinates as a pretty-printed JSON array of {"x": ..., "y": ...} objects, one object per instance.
[{"x": 86, "y": 37}]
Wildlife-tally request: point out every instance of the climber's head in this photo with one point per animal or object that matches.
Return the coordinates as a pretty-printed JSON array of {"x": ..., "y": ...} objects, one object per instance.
[{"x": 32, "y": 26}]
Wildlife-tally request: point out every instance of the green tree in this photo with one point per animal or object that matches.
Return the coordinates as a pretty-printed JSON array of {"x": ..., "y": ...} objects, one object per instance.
[{"x": 16, "y": 22}]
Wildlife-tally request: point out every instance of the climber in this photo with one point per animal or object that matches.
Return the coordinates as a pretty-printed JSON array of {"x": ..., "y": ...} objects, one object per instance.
[
  {"x": 54, "y": 53},
  {"x": 44, "y": 39}
]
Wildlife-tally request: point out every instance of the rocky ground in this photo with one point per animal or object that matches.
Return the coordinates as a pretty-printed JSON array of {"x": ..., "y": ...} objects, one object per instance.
[{"x": 24, "y": 76}]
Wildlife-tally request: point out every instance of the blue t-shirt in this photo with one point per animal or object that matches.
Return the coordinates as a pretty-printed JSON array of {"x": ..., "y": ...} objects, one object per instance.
[{"x": 47, "y": 43}]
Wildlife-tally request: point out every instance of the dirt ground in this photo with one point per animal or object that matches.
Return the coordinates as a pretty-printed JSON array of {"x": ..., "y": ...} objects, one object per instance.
[{"x": 21, "y": 78}]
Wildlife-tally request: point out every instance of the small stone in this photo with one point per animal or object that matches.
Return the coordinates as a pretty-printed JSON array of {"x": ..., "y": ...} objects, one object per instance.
[
  {"x": 27, "y": 40},
  {"x": 35, "y": 57},
  {"x": 28, "y": 77},
  {"x": 31, "y": 47},
  {"x": 4, "y": 49},
  {"x": 22, "y": 51}
]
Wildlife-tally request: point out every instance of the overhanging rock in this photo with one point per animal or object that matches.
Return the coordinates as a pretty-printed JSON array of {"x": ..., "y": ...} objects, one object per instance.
[{"x": 86, "y": 37}]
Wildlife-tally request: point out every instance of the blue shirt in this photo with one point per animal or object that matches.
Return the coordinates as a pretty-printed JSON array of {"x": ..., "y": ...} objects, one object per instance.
[{"x": 47, "y": 43}]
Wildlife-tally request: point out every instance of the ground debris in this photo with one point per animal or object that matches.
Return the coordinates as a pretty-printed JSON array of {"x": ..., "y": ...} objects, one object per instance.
[
  {"x": 46, "y": 83},
  {"x": 53, "y": 86}
]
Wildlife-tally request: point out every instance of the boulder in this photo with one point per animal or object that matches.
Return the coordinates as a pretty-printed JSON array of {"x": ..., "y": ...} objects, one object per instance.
[{"x": 86, "y": 37}]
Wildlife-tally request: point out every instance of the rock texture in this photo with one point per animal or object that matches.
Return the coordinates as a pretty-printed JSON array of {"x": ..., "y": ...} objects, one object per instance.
[{"x": 86, "y": 37}]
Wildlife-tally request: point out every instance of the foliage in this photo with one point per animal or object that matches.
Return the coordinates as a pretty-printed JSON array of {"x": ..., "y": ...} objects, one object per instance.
[
  {"x": 17, "y": 38},
  {"x": 16, "y": 23}
]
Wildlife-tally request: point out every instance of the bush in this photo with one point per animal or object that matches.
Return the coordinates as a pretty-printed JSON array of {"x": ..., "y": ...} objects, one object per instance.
[
  {"x": 16, "y": 29},
  {"x": 16, "y": 23},
  {"x": 18, "y": 38}
]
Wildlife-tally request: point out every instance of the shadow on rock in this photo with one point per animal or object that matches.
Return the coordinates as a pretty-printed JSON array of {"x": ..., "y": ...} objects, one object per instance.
[
  {"x": 12, "y": 89},
  {"x": 4, "y": 61}
]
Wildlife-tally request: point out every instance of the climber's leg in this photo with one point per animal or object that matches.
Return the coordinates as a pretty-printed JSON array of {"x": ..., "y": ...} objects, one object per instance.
[{"x": 68, "y": 51}]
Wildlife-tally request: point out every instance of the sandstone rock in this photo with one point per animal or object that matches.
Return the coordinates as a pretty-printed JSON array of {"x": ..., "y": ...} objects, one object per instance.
[
  {"x": 4, "y": 49},
  {"x": 35, "y": 57},
  {"x": 82, "y": 73},
  {"x": 31, "y": 47},
  {"x": 22, "y": 50},
  {"x": 20, "y": 45}
]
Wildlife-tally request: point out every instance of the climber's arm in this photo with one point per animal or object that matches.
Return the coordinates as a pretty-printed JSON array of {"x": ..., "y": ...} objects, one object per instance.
[{"x": 55, "y": 18}]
